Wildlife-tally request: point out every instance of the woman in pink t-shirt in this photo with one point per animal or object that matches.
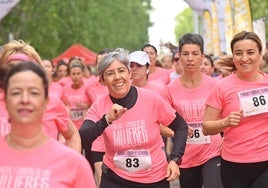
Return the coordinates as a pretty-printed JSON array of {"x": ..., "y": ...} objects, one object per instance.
[
  {"x": 129, "y": 118},
  {"x": 139, "y": 70},
  {"x": 75, "y": 97},
  {"x": 158, "y": 75},
  {"x": 55, "y": 89},
  {"x": 61, "y": 71},
  {"x": 238, "y": 107},
  {"x": 30, "y": 158},
  {"x": 201, "y": 162},
  {"x": 207, "y": 65}
]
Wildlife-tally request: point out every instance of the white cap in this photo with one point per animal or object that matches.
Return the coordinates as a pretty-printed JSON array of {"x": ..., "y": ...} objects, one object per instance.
[{"x": 139, "y": 57}]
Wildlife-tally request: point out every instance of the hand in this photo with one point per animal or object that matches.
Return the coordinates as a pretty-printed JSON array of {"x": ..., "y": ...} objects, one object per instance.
[
  {"x": 233, "y": 119},
  {"x": 82, "y": 105},
  {"x": 173, "y": 171},
  {"x": 115, "y": 113},
  {"x": 166, "y": 131},
  {"x": 190, "y": 132}
]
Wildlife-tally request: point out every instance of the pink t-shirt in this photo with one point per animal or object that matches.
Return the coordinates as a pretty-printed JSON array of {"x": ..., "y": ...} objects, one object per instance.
[
  {"x": 137, "y": 132},
  {"x": 190, "y": 104},
  {"x": 160, "y": 77},
  {"x": 65, "y": 81},
  {"x": 247, "y": 142},
  {"x": 94, "y": 91},
  {"x": 55, "y": 90},
  {"x": 71, "y": 98},
  {"x": 51, "y": 165},
  {"x": 4, "y": 123},
  {"x": 159, "y": 90},
  {"x": 55, "y": 118}
]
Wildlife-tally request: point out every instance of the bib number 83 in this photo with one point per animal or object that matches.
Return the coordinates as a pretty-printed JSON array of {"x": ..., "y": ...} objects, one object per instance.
[{"x": 132, "y": 162}]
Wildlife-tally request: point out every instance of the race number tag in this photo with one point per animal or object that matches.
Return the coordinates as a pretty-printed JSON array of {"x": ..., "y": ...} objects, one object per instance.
[
  {"x": 76, "y": 114},
  {"x": 254, "y": 101},
  {"x": 133, "y": 160},
  {"x": 198, "y": 137}
]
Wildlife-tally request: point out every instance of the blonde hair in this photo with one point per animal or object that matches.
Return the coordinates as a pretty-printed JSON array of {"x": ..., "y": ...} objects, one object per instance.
[{"x": 18, "y": 46}]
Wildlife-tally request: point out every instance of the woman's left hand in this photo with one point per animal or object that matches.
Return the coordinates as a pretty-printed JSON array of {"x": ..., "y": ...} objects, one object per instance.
[
  {"x": 115, "y": 113},
  {"x": 173, "y": 171}
]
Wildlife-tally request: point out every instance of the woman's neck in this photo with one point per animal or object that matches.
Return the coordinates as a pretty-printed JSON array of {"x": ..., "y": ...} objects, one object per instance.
[
  {"x": 139, "y": 83},
  {"x": 250, "y": 77},
  {"x": 191, "y": 80},
  {"x": 152, "y": 68},
  {"x": 77, "y": 86},
  {"x": 26, "y": 139}
]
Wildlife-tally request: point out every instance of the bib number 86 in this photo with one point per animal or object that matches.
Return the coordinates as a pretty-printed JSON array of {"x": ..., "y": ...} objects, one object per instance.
[{"x": 257, "y": 101}]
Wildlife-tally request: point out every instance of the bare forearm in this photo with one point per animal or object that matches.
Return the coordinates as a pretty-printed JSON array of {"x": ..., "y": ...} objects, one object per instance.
[
  {"x": 214, "y": 127},
  {"x": 74, "y": 141},
  {"x": 72, "y": 137}
]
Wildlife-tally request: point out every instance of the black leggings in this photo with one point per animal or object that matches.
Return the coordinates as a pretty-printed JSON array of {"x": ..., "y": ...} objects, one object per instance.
[
  {"x": 244, "y": 175},
  {"x": 111, "y": 180},
  {"x": 206, "y": 175}
]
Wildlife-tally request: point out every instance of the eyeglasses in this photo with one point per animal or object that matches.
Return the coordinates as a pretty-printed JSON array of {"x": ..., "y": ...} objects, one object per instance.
[{"x": 176, "y": 59}]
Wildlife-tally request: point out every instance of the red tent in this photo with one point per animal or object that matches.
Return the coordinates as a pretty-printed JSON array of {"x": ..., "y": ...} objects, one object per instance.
[{"x": 77, "y": 50}]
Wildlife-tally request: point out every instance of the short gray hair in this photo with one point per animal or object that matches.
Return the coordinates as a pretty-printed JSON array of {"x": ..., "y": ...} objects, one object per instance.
[{"x": 119, "y": 54}]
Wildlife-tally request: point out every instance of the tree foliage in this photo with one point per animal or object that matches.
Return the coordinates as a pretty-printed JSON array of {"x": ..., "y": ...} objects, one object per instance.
[
  {"x": 259, "y": 9},
  {"x": 185, "y": 23},
  {"x": 52, "y": 26}
]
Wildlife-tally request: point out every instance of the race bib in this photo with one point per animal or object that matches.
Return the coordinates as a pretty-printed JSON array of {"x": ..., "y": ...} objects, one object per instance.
[
  {"x": 76, "y": 114},
  {"x": 133, "y": 160},
  {"x": 198, "y": 137},
  {"x": 254, "y": 101}
]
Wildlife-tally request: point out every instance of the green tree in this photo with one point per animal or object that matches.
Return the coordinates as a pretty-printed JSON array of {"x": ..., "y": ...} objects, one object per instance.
[
  {"x": 259, "y": 9},
  {"x": 52, "y": 26},
  {"x": 185, "y": 23}
]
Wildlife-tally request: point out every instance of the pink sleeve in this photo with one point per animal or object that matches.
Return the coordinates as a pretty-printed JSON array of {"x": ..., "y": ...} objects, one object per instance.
[
  {"x": 215, "y": 98},
  {"x": 84, "y": 176},
  {"x": 64, "y": 94},
  {"x": 61, "y": 114},
  {"x": 92, "y": 113},
  {"x": 166, "y": 113}
]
